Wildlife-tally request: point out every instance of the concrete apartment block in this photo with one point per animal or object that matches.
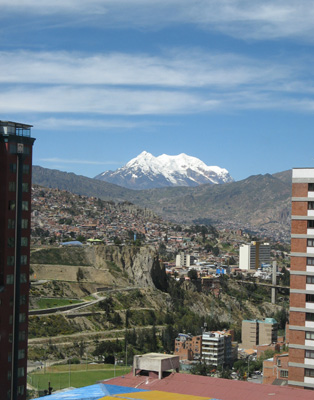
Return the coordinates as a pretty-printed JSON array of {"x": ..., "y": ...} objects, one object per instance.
[{"x": 301, "y": 327}]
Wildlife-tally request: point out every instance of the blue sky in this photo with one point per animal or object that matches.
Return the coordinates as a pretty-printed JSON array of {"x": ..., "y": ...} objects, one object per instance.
[{"x": 228, "y": 81}]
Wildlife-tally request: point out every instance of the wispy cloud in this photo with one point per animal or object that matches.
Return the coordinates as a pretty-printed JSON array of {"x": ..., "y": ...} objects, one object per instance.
[
  {"x": 103, "y": 124},
  {"x": 176, "y": 82},
  {"x": 176, "y": 68},
  {"x": 67, "y": 99},
  {"x": 73, "y": 161},
  {"x": 246, "y": 19}
]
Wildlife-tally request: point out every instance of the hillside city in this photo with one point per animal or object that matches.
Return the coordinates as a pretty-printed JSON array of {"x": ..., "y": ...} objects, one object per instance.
[
  {"x": 197, "y": 257},
  {"x": 60, "y": 216}
]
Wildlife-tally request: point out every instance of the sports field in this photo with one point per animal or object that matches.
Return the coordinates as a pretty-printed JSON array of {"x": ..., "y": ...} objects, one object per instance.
[{"x": 77, "y": 375}]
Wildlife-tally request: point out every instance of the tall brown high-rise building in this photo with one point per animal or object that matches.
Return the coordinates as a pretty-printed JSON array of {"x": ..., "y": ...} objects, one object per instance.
[
  {"x": 301, "y": 348},
  {"x": 15, "y": 213}
]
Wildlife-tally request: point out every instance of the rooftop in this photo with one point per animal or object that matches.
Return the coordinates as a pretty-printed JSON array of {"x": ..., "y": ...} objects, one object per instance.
[
  {"x": 15, "y": 129},
  {"x": 207, "y": 387}
]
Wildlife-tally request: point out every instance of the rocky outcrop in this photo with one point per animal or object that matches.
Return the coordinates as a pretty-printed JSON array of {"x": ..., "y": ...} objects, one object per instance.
[
  {"x": 105, "y": 265},
  {"x": 140, "y": 264}
]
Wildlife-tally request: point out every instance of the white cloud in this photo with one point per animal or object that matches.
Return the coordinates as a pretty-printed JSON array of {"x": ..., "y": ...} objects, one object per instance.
[
  {"x": 177, "y": 68},
  {"x": 176, "y": 82},
  {"x": 53, "y": 123},
  {"x": 67, "y": 99},
  {"x": 73, "y": 161},
  {"x": 247, "y": 19}
]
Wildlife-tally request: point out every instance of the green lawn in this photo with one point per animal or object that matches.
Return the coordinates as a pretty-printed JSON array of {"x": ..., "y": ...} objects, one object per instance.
[
  {"x": 50, "y": 303},
  {"x": 75, "y": 378}
]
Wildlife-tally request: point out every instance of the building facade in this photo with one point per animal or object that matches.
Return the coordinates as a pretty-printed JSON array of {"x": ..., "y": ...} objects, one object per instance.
[
  {"x": 188, "y": 347},
  {"x": 15, "y": 211},
  {"x": 184, "y": 260},
  {"x": 258, "y": 332},
  {"x": 217, "y": 348},
  {"x": 275, "y": 370},
  {"x": 253, "y": 255},
  {"x": 301, "y": 327}
]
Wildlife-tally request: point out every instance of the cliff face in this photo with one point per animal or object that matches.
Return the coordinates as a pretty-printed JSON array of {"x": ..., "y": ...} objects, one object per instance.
[{"x": 105, "y": 265}]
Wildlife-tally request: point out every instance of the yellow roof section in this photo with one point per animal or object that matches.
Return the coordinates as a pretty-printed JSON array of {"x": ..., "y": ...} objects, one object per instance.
[{"x": 154, "y": 395}]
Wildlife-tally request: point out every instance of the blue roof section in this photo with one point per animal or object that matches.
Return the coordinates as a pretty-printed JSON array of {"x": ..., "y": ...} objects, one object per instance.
[
  {"x": 260, "y": 321},
  {"x": 72, "y": 243},
  {"x": 93, "y": 392}
]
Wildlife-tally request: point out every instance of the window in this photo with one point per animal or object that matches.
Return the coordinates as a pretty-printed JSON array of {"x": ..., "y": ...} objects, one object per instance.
[
  {"x": 311, "y": 187},
  {"x": 23, "y": 278},
  {"x": 10, "y": 319},
  {"x": 310, "y": 242},
  {"x": 22, "y": 300},
  {"x": 310, "y": 261},
  {"x": 310, "y": 298},
  {"x": 10, "y": 338},
  {"x": 9, "y": 357},
  {"x": 11, "y": 204},
  {"x": 21, "y": 354},
  {"x": 310, "y": 205},
  {"x": 25, "y": 169},
  {"x": 22, "y": 336},
  {"x": 309, "y": 372},
  {"x": 12, "y": 186},
  {"x": 24, "y": 223},
  {"x": 9, "y": 375},
  {"x": 10, "y": 279},
  {"x": 20, "y": 372},
  {"x": 11, "y": 223},
  {"x": 10, "y": 260},
  {"x": 20, "y": 390},
  {"x": 26, "y": 150},
  {"x": 25, "y": 206},
  {"x": 309, "y": 353},
  {"x": 309, "y": 317},
  {"x": 310, "y": 279},
  {"x": 279, "y": 362},
  {"x": 22, "y": 317},
  {"x": 283, "y": 374},
  {"x": 13, "y": 168},
  {"x": 309, "y": 335},
  {"x": 23, "y": 260},
  {"x": 25, "y": 187},
  {"x": 12, "y": 148},
  {"x": 24, "y": 241},
  {"x": 11, "y": 242}
]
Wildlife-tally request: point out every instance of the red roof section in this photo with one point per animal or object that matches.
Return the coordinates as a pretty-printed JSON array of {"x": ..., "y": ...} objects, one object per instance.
[{"x": 223, "y": 389}]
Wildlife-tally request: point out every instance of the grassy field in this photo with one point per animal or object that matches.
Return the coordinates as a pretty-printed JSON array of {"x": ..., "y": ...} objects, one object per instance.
[
  {"x": 50, "y": 303},
  {"x": 62, "y": 376}
]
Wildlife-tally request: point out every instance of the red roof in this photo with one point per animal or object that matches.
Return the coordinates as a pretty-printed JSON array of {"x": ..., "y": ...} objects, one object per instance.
[{"x": 223, "y": 389}]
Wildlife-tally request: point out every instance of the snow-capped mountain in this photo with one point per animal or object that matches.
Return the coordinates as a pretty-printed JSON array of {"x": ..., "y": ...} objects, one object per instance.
[{"x": 147, "y": 172}]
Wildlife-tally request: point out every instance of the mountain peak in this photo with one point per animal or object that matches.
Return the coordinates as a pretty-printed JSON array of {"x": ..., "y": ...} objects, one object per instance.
[{"x": 146, "y": 171}]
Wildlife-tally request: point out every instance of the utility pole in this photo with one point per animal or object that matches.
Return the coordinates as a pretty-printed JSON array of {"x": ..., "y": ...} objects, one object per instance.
[{"x": 274, "y": 282}]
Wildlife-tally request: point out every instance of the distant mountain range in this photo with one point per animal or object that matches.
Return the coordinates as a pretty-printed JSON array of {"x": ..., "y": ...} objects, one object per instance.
[
  {"x": 148, "y": 172},
  {"x": 258, "y": 203}
]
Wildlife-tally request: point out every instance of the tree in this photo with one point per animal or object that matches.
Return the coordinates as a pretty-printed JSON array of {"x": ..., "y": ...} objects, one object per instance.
[
  {"x": 202, "y": 369},
  {"x": 81, "y": 238},
  {"x": 192, "y": 274},
  {"x": 215, "y": 251},
  {"x": 80, "y": 274},
  {"x": 285, "y": 277},
  {"x": 106, "y": 305}
]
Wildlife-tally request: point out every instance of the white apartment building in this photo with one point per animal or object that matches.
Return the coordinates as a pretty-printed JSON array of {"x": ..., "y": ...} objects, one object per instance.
[
  {"x": 253, "y": 255},
  {"x": 214, "y": 348},
  {"x": 184, "y": 260}
]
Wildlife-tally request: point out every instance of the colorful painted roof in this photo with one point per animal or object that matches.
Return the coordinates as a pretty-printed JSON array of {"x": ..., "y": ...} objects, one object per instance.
[{"x": 104, "y": 391}]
